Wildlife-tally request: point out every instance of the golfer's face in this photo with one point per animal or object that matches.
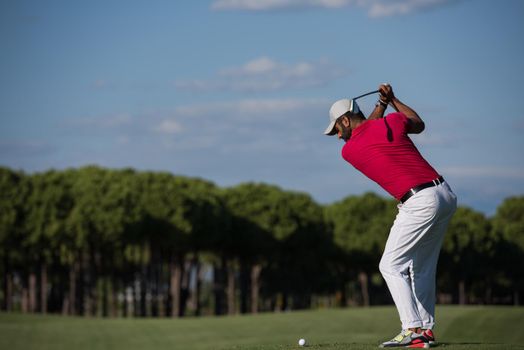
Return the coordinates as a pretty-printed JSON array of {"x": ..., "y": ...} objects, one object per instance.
[
  {"x": 343, "y": 131},
  {"x": 339, "y": 131}
]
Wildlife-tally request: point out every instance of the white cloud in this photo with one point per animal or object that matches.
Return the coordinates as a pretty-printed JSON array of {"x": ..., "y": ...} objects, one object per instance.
[
  {"x": 264, "y": 65},
  {"x": 168, "y": 126},
  {"x": 265, "y": 5},
  {"x": 393, "y": 8},
  {"x": 260, "y": 65},
  {"x": 212, "y": 126},
  {"x": 374, "y": 8},
  {"x": 246, "y": 108},
  {"x": 104, "y": 122},
  {"x": 266, "y": 74},
  {"x": 435, "y": 139},
  {"x": 496, "y": 172},
  {"x": 237, "y": 127}
]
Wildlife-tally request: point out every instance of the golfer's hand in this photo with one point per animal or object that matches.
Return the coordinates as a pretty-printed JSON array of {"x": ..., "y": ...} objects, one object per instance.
[{"x": 386, "y": 92}]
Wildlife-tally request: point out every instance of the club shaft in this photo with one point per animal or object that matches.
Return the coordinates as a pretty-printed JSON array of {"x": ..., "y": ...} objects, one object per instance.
[{"x": 368, "y": 93}]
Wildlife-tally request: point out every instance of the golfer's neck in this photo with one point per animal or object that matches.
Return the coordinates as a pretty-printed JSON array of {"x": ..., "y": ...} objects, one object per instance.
[{"x": 357, "y": 122}]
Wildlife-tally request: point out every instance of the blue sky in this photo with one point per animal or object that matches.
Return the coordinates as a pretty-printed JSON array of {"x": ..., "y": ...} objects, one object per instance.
[{"x": 239, "y": 90}]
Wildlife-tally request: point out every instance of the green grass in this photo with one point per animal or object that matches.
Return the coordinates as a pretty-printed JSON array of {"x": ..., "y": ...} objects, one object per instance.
[{"x": 356, "y": 328}]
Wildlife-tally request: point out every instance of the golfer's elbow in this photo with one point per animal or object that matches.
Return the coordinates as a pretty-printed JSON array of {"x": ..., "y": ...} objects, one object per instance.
[
  {"x": 416, "y": 126},
  {"x": 420, "y": 127}
]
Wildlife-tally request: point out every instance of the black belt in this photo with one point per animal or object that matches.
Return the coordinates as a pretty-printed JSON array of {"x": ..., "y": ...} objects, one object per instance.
[{"x": 420, "y": 187}]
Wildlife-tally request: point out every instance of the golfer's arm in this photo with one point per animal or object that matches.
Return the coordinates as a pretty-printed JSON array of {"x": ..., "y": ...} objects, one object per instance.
[
  {"x": 378, "y": 112},
  {"x": 416, "y": 125}
]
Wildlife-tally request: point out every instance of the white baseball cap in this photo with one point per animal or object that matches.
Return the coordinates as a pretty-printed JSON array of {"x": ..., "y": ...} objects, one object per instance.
[{"x": 337, "y": 110}]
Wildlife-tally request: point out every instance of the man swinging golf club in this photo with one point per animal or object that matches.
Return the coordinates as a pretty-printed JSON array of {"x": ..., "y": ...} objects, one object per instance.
[{"x": 381, "y": 149}]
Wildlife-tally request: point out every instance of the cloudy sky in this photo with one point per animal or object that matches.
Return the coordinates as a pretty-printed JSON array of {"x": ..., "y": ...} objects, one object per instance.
[{"x": 239, "y": 90}]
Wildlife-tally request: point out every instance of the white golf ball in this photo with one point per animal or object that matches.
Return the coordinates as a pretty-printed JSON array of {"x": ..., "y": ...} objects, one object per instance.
[{"x": 302, "y": 342}]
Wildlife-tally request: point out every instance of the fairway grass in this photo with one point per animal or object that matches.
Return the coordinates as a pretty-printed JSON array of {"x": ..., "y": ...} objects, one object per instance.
[{"x": 470, "y": 327}]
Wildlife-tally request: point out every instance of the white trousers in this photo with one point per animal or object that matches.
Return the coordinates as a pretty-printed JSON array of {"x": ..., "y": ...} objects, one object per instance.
[{"x": 409, "y": 262}]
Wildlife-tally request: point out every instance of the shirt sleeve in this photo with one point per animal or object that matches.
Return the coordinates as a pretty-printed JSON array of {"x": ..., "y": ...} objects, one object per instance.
[{"x": 398, "y": 121}]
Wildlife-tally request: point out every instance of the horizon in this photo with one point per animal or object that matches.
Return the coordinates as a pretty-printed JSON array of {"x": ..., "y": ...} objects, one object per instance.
[{"x": 386, "y": 197}]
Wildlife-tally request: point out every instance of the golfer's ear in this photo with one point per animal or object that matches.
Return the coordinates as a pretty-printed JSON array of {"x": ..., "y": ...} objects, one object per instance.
[{"x": 345, "y": 121}]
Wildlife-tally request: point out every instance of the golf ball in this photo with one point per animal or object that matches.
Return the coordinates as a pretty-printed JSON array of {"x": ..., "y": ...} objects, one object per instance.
[{"x": 302, "y": 342}]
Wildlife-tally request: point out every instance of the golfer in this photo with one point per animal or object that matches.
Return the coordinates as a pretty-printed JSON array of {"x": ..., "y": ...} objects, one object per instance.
[{"x": 381, "y": 149}]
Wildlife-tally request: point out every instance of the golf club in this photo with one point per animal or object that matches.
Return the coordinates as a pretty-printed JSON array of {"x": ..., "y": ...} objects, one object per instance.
[
  {"x": 353, "y": 107},
  {"x": 368, "y": 93}
]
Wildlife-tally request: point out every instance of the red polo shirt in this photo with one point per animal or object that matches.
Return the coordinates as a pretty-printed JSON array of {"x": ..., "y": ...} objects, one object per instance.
[{"x": 382, "y": 150}]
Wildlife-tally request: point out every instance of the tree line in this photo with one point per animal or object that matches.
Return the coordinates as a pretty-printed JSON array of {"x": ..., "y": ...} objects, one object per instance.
[{"x": 122, "y": 243}]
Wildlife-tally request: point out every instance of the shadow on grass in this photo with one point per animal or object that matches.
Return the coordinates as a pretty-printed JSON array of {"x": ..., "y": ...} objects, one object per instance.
[
  {"x": 476, "y": 345},
  {"x": 444, "y": 345}
]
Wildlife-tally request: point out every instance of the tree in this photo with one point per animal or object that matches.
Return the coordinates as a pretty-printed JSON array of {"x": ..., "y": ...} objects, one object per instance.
[
  {"x": 209, "y": 227},
  {"x": 248, "y": 238},
  {"x": 105, "y": 208},
  {"x": 280, "y": 235},
  {"x": 508, "y": 224},
  {"x": 46, "y": 239},
  {"x": 305, "y": 250},
  {"x": 165, "y": 229},
  {"x": 79, "y": 240},
  {"x": 14, "y": 189},
  {"x": 360, "y": 226},
  {"x": 467, "y": 250}
]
